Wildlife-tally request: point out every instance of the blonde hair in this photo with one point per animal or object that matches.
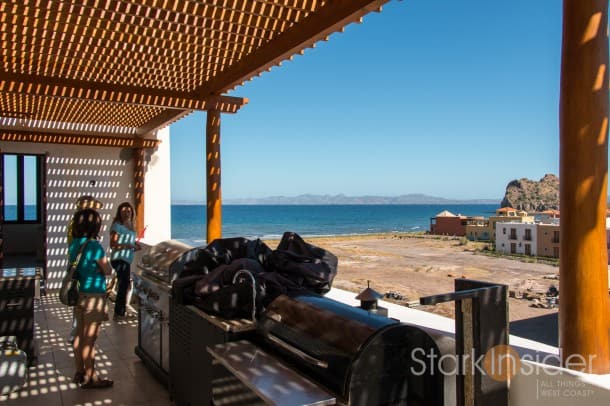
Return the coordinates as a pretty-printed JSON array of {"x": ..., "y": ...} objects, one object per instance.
[{"x": 88, "y": 202}]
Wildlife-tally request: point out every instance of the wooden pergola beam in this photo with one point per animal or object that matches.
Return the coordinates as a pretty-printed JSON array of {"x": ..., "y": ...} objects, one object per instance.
[
  {"x": 72, "y": 139},
  {"x": 317, "y": 26},
  {"x": 111, "y": 93},
  {"x": 164, "y": 119}
]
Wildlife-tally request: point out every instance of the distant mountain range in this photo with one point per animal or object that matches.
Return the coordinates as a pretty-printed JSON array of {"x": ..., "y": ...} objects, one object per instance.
[{"x": 343, "y": 199}]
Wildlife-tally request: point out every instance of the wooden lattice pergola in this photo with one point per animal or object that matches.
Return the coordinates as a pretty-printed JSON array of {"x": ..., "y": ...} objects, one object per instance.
[
  {"x": 126, "y": 68},
  {"x": 112, "y": 72}
]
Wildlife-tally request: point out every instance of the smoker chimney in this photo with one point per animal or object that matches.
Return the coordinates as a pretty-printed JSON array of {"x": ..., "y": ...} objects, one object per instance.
[{"x": 368, "y": 301}]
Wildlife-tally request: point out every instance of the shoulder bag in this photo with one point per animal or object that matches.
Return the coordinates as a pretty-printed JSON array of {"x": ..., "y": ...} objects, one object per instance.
[{"x": 68, "y": 292}]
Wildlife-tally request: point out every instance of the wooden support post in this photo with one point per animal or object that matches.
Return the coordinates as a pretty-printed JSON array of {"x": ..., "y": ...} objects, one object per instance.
[
  {"x": 213, "y": 195},
  {"x": 139, "y": 158},
  {"x": 469, "y": 385},
  {"x": 583, "y": 311},
  {"x": 1, "y": 208}
]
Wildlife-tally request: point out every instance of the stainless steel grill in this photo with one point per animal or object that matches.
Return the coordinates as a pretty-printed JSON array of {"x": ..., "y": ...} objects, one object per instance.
[
  {"x": 158, "y": 266},
  {"x": 164, "y": 261}
]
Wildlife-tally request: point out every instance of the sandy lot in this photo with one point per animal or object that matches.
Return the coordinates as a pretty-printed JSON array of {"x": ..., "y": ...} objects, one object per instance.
[{"x": 415, "y": 267}]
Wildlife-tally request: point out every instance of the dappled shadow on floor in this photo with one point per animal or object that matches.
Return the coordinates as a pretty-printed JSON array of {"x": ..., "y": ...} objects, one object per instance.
[
  {"x": 49, "y": 381},
  {"x": 543, "y": 329}
]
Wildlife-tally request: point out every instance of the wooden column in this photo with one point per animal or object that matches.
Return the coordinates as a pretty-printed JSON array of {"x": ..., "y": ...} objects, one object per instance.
[
  {"x": 583, "y": 312},
  {"x": 2, "y": 208},
  {"x": 213, "y": 195},
  {"x": 139, "y": 160}
]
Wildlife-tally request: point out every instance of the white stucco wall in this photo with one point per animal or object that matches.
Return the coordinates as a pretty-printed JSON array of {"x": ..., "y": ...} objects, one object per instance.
[
  {"x": 157, "y": 190},
  {"x": 503, "y": 242},
  {"x": 545, "y": 385},
  {"x": 107, "y": 174}
]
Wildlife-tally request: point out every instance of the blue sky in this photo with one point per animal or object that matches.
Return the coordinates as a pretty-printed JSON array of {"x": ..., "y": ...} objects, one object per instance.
[{"x": 450, "y": 98}]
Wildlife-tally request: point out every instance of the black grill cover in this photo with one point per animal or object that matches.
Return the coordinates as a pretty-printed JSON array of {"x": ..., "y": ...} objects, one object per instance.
[
  {"x": 308, "y": 266},
  {"x": 223, "y": 251},
  {"x": 294, "y": 267}
]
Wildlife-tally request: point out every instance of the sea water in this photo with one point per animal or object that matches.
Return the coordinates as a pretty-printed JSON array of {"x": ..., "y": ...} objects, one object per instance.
[{"x": 271, "y": 221}]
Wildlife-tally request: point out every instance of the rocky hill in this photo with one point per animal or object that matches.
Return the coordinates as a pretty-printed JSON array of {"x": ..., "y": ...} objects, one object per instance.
[{"x": 532, "y": 196}]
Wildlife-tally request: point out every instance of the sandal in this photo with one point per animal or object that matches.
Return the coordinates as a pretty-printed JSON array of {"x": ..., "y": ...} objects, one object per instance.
[
  {"x": 98, "y": 383},
  {"x": 79, "y": 377}
]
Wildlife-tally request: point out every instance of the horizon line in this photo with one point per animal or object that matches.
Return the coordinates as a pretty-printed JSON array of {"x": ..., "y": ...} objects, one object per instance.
[{"x": 264, "y": 200}]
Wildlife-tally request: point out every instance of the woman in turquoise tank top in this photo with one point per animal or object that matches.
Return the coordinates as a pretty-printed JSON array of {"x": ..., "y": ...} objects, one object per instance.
[
  {"x": 123, "y": 244},
  {"x": 92, "y": 309}
]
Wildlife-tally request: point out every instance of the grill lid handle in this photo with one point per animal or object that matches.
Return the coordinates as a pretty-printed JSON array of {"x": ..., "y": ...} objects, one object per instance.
[
  {"x": 305, "y": 357},
  {"x": 273, "y": 316}
]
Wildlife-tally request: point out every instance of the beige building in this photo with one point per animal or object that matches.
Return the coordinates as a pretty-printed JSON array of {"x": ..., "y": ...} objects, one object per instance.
[
  {"x": 507, "y": 214},
  {"x": 548, "y": 240},
  {"x": 477, "y": 229}
]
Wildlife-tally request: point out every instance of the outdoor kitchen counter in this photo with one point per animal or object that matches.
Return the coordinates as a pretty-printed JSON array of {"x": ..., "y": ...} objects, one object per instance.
[
  {"x": 227, "y": 325},
  {"x": 192, "y": 331},
  {"x": 269, "y": 378},
  {"x": 18, "y": 289}
]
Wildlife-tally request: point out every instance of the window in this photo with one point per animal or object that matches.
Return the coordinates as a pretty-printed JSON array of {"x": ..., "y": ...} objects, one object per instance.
[
  {"x": 513, "y": 234},
  {"x": 503, "y": 230},
  {"x": 513, "y": 248},
  {"x": 21, "y": 194},
  {"x": 528, "y": 249},
  {"x": 555, "y": 237},
  {"x": 528, "y": 235},
  {"x": 556, "y": 252}
]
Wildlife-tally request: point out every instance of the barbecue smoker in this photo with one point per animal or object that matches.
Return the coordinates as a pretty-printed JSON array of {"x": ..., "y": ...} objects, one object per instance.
[
  {"x": 158, "y": 267},
  {"x": 361, "y": 357}
]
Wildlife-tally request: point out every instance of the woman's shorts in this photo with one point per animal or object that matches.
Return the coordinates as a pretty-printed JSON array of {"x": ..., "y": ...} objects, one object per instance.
[{"x": 92, "y": 307}]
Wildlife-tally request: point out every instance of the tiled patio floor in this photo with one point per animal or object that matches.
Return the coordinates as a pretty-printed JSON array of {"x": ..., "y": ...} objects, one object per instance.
[{"x": 49, "y": 381}]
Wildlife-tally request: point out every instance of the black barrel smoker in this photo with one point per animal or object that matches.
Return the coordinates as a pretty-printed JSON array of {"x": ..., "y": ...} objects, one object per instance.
[{"x": 364, "y": 358}]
